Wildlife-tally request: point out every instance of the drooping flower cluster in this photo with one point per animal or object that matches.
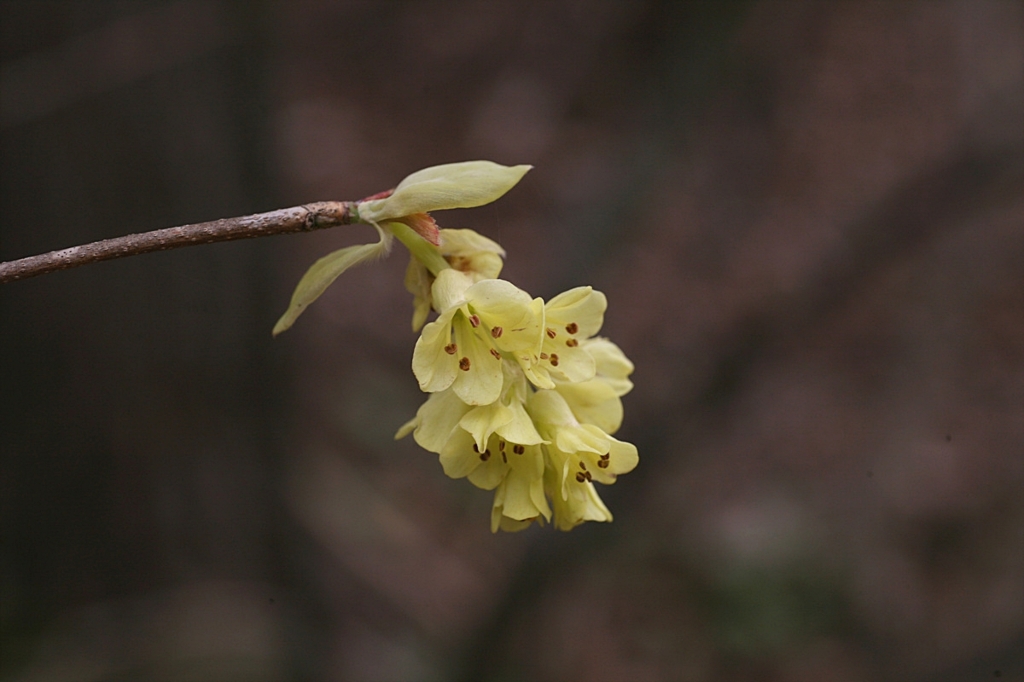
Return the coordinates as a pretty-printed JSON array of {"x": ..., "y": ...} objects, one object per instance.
[{"x": 524, "y": 396}]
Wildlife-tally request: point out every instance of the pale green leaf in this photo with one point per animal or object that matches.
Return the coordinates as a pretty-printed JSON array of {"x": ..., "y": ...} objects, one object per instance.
[
  {"x": 453, "y": 185},
  {"x": 323, "y": 273}
]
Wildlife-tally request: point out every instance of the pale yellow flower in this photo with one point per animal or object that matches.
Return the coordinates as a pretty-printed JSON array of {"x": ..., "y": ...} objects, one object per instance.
[
  {"x": 495, "y": 446},
  {"x": 478, "y": 322},
  {"x": 577, "y": 455},
  {"x": 597, "y": 401},
  {"x": 519, "y": 499},
  {"x": 578, "y": 503},
  {"x": 461, "y": 433},
  {"x": 569, "y": 319},
  {"x": 464, "y": 250}
]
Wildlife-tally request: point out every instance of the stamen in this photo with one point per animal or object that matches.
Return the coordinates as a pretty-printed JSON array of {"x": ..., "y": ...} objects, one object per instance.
[
  {"x": 554, "y": 359},
  {"x": 474, "y": 320},
  {"x": 572, "y": 328},
  {"x": 580, "y": 477},
  {"x": 582, "y": 465},
  {"x": 551, "y": 333},
  {"x": 464, "y": 364},
  {"x": 496, "y": 354},
  {"x": 496, "y": 332},
  {"x": 501, "y": 445},
  {"x": 606, "y": 455},
  {"x": 485, "y": 455},
  {"x": 503, "y": 457},
  {"x": 587, "y": 474},
  {"x": 475, "y": 448},
  {"x": 518, "y": 449},
  {"x": 572, "y": 343},
  {"x": 543, "y": 356},
  {"x": 451, "y": 349},
  {"x": 603, "y": 463}
]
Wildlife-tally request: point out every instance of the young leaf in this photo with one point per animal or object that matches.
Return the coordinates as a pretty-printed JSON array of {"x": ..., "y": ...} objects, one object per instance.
[
  {"x": 453, "y": 185},
  {"x": 324, "y": 272}
]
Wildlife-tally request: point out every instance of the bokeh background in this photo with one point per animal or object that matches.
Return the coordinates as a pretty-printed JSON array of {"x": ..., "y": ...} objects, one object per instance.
[{"x": 808, "y": 218}]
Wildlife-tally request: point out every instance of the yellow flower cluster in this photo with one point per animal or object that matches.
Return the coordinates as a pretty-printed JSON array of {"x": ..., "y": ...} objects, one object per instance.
[{"x": 524, "y": 396}]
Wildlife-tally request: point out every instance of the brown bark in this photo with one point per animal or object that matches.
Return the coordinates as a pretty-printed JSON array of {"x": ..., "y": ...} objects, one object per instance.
[{"x": 305, "y": 218}]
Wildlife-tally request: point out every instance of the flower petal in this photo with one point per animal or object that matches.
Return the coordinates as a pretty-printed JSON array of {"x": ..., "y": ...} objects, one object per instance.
[
  {"x": 434, "y": 361},
  {"x": 568, "y": 363},
  {"x": 594, "y": 402},
  {"x": 472, "y": 253},
  {"x": 548, "y": 408},
  {"x": 623, "y": 457},
  {"x": 520, "y": 428},
  {"x": 506, "y": 524},
  {"x": 479, "y": 376},
  {"x": 491, "y": 471},
  {"x": 464, "y": 242},
  {"x": 580, "y": 439},
  {"x": 582, "y": 307},
  {"x": 449, "y": 289},
  {"x": 582, "y": 503},
  {"x": 533, "y": 370},
  {"x": 523, "y": 487},
  {"x": 458, "y": 458},
  {"x": 406, "y": 428},
  {"x": 513, "y": 318},
  {"x": 612, "y": 364},
  {"x": 484, "y": 420},
  {"x": 437, "y": 420}
]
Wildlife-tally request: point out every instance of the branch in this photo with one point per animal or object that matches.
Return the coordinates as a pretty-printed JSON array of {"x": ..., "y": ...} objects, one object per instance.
[{"x": 305, "y": 218}]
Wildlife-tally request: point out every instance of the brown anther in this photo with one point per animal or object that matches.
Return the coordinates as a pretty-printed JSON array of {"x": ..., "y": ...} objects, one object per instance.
[
  {"x": 554, "y": 359},
  {"x": 543, "y": 356},
  {"x": 464, "y": 364},
  {"x": 496, "y": 332},
  {"x": 475, "y": 448},
  {"x": 587, "y": 474},
  {"x": 583, "y": 466},
  {"x": 474, "y": 320},
  {"x": 451, "y": 349},
  {"x": 551, "y": 333},
  {"x": 485, "y": 455},
  {"x": 572, "y": 327},
  {"x": 572, "y": 343},
  {"x": 580, "y": 476},
  {"x": 606, "y": 455},
  {"x": 518, "y": 449},
  {"x": 496, "y": 354},
  {"x": 501, "y": 445},
  {"x": 503, "y": 457},
  {"x": 603, "y": 463}
]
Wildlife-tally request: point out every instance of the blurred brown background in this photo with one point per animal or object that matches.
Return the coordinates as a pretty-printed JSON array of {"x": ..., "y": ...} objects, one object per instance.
[{"x": 808, "y": 218}]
